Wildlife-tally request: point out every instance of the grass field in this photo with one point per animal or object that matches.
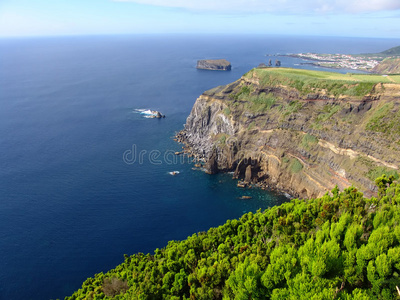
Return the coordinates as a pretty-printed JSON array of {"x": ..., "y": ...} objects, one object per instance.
[
  {"x": 310, "y": 74},
  {"x": 395, "y": 78},
  {"x": 308, "y": 81}
]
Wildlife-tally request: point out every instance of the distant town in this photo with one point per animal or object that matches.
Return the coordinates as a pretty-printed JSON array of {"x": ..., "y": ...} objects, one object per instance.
[{"x": 340, "y": 61}]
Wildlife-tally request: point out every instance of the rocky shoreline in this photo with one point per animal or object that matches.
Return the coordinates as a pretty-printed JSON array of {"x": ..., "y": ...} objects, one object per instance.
[{"x": 209, "y": 166}]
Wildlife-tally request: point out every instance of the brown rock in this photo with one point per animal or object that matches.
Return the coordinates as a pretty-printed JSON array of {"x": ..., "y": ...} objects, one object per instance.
[
  {"x": 212, "y": 164},
  {"x": 247, "y": 175},
  {"x": 241, "y": 184}
]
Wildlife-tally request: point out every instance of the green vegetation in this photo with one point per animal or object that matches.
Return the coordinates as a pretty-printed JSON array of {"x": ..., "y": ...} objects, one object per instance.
[
  {"x": 376, "y": 121},
  {"x": 222, "y": 139},
  {"x": 385, "y": 120},
  {"x": 261, "y": 102},
  {"x": 325, "y": 115},
  {"x": 373, "y": 171},
  {"x": 227, "y": 111},
  {"x": 340, "y": 246},
  {"x": 395, "y": 79},
  {"x": 245, "y": 91},
  {"x": 282, "y": 73},
  {"x": 336, "y": 84},
  {"x": 360, "y": 89},
  {"x": 327, "y": 112},
  {"x": 251, "y": 126},
  {"x": 392, "y": 51},
  {"x": 296, "y": 166},
  {"x": 377, "y": 170},
  {"x": 308, "y": 141},
  {"x": 255, "y": 103},
  {"x": 291, "y": 107}
]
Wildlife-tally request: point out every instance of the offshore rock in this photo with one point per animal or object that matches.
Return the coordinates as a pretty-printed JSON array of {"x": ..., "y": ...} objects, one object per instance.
[
  {"x": 159, "y": 115},
  {"x": 214, "y": 64}
]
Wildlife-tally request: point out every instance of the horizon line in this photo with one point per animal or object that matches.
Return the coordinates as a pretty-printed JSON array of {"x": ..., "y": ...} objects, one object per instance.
[{"x": 188, "y": 34}]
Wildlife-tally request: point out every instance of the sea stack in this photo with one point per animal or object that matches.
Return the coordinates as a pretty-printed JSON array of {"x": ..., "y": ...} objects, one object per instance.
[{"x": 214, "y": 64}]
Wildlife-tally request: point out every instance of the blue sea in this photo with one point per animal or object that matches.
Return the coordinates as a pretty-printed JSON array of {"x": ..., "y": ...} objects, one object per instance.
[{"x": 70, "y": 204}]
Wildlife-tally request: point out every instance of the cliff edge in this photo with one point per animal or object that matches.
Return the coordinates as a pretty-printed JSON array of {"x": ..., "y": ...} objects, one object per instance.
[{"x": 300, "y": 131}]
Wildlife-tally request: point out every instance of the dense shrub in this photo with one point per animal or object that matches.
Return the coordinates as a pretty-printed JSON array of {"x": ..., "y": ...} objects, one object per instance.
[{"x": 340, "y": 246}]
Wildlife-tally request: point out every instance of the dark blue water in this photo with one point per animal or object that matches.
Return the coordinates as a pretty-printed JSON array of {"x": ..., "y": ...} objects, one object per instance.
[{"x": 69, "y": 205}]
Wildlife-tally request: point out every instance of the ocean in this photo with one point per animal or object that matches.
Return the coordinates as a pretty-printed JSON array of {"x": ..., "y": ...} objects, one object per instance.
[{"x": 84, "y": 177}]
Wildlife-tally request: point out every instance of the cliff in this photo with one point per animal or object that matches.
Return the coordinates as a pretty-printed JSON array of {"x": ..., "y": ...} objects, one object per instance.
[
  {"x": 214, "y": 64},
  {"x": 299, "y": 131}
]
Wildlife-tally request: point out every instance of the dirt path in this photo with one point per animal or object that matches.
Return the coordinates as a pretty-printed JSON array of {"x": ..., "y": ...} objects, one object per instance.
[{"x": 391, "y": 79}]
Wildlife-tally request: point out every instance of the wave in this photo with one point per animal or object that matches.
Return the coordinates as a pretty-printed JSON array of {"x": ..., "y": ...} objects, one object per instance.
[
  {"x": 148, "y": 113},
  {"x": 144, "y": 111},
  {"x": 173, "y": 173}
]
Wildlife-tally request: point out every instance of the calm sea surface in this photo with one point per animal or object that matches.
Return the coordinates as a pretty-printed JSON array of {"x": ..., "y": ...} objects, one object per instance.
[{"x": 70, "y": 206}]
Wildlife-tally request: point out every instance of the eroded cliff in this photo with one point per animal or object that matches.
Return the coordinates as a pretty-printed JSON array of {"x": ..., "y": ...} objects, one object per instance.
[{"x": 299, "y": 131}]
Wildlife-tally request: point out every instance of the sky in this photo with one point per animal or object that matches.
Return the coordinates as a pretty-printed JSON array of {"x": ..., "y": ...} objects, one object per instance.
[{"x": 351, "y": 18}]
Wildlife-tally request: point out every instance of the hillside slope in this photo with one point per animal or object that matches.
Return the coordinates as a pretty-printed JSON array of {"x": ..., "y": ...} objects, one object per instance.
[
  {"x": 395, "y": 51},
  {"x": 340, "y": 246},
  {"x": 388, "y": 66},
  {"x": 299, "y": 131}
]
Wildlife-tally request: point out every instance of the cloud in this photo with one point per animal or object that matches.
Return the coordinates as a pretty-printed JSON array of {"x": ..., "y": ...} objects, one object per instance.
[{"x": 281, "y": 6}]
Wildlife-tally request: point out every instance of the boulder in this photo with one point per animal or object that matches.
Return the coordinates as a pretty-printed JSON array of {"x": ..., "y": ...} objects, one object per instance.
[{"x": 241, "y": 184}]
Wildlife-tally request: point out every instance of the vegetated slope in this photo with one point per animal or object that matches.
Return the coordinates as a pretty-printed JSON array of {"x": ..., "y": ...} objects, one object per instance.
[
  {"x": 389, "y": 53},
  {"x": 339, "y": 246},
  {"x": 395, "y": 51},
  {"x": 300, "y": 131},
  {"x": 388, "y": 66},
  {"x": 390, "y": 63}
]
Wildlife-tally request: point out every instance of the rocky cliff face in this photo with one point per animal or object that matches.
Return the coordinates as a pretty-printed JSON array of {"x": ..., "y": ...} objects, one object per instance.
[{"x": 298, "y": 134}]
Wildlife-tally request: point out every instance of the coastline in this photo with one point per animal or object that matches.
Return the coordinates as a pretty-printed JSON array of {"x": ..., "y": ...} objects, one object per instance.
[
  {"x": 337, "y": 61},
  {"x": 201, "y": 163}
]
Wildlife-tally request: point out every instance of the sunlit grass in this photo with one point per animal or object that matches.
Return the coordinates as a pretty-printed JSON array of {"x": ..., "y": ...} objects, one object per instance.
[
  {"x": 394, "y": 78},
  {"x": 310, "y": 74},
  {"x": 331, "y": 83}
]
